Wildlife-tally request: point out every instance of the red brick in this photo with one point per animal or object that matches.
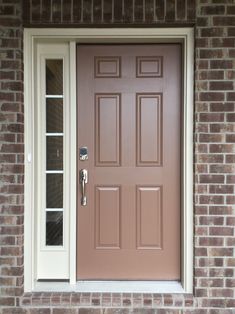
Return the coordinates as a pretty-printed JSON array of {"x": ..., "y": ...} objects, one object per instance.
[
  {"x": 43, "y": 311},
  {"x": 7, "y": 158},
  {"x": 211, "y": 282},
  {"x": 230, "y": 138},
  {"x": 200, "y": 210},
  {"x": 231, "y": 53},
  {"x": 222, "y": 107},
  {"x": 201, "y": 148},
  {"x": 201, "y": 168},
  {"x": 6, "y": 10},
  {"x": 230, "y": 221},
  {"x": 11, "y": 251},
  {"x": 231, "y": 117},
  {"x": 220, "y": 210},
  {"x": 7, "y": 75},
  {"x": 204, "y": 241},
  {"x": 221, "y": 272},
  {"x": 221, "y": 189},
  {"x": 12, "y": 271},
  {"x": 222, "y": 231},
  {"x": 8, "y": 168},
  {"x": 213, "y": 10},
  {"x": 221, "y": 85},
  {"x": 209, "y": 158},
  {"x": 231, "y": 10},
  {"x": 230, "y": 199},
  {"x": 230, "y": 241},
  {"x": 7, "y": 240},
  {"x": 201, "y": 127},
  {"x": 223, "y": 21},
  {"x": 211, "y": 220},
  {"x": 168, "y": 300},
  {"x": 211, "y": 54},
  {"x": 221, "y": 148},
  {"x": 202, "y": 64},
  {"x": 231, "y": 96},
  {"x": 212, "y": 178},
  {"x": 10, "y": 43},
  {"x": 231, "y": 31},
  {"x": 90, "y": 311},
  {"x": 211, "y": 96},
  {"x": 6, "y": 97},
  {"x": 7, "y": 301},
  {"x": 220, "y": 252},
  {"x": 230, "y": 283},
  {"x": 202, "y": 42},
  {"x": 202, "y": 21},
  {"x": 217, "y": 128},
  {"x": 212, "y": 32},
  {"x": 208, "y": 138},
  {"x": 223, "y": 42},
  {"x": 10, "y": 65},
  {"x": 11, "y": 230},
  {"x": 221, "y": 64},
  {"x": 211, "y": 75},
  {"x": 212, "y": 262},
  {"x": 221, "y": 168},
  {"x": 226, "y": 293}
]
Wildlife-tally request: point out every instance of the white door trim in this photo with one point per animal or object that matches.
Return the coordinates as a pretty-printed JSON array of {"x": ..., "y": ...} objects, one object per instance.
[{"x": 104, "y": 35}]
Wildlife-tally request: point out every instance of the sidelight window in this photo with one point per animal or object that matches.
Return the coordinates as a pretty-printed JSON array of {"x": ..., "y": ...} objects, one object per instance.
[{"x": 52, "y": 156}]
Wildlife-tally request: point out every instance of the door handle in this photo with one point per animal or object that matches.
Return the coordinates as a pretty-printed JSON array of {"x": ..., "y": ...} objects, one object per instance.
[{"x": 83, "y": 174}]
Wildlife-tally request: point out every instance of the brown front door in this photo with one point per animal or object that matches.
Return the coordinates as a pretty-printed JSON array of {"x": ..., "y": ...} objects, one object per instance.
[{"x": 128, "y": 99}]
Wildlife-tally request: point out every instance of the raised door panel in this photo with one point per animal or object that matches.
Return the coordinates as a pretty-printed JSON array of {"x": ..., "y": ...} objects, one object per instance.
[
  {"x": 149, "y": 217},
  {"x": 107, "y": 217},
  {"x": 107, "y": 129},
  {"x": 149, "y": 129}
]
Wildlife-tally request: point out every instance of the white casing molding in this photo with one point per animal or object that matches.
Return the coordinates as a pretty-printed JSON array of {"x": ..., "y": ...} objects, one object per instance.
[{"x": 68, "y": 36}]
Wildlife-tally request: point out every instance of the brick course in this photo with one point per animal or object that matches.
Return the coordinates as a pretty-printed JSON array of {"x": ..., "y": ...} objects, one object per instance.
[{"x": 214, "y": 156}]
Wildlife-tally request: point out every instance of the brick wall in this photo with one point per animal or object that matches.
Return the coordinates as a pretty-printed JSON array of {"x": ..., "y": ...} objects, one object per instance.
[
  {"x": 11, "y": 153},
  {"x": 214, "y": 154},
  {"x": 214, "y": 198}
]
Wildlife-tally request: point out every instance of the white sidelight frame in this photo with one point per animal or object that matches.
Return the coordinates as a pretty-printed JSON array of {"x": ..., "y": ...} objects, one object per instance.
[
  {"x": 69, "y": 38},
  {"x": 48, "y": 256}
]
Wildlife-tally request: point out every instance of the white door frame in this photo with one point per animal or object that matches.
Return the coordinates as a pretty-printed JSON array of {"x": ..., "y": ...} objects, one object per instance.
[{"x": 185, "y": 36}]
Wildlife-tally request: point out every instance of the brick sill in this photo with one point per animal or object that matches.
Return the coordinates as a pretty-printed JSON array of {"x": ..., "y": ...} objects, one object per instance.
[{"x": 111, "y": 287}]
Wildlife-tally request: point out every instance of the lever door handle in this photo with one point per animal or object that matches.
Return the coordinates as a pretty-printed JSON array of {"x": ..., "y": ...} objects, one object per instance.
[{"x": 83, "y": 174}]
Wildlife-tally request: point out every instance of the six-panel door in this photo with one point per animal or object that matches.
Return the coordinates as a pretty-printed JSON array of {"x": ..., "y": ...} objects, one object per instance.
[{"x": 129, "y": 102}]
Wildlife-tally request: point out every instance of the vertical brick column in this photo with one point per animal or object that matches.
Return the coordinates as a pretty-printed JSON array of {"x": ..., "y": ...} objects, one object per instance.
[
  {"x": 214, "y": 154},
  {"x": 11, "y": 153}
]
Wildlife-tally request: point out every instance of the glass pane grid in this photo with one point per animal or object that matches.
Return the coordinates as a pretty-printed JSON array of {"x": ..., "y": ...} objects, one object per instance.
[{"x": 54, "y": 153}]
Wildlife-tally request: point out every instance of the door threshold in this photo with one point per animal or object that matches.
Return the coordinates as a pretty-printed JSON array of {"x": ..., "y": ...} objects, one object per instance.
[{"x": 111, "y": 286}]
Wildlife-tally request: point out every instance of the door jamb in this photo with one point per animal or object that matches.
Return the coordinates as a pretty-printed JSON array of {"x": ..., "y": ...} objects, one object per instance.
[{"x": 106, "y": 35}]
